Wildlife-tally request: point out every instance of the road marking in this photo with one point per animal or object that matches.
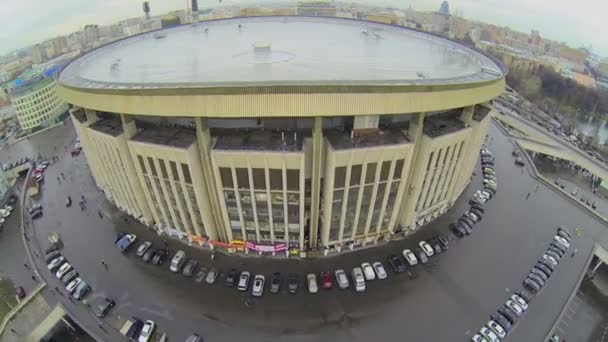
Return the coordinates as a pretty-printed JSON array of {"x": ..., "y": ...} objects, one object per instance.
[
  {"x": 561, "y": 331},
  {"x": 564, "y": 322}
]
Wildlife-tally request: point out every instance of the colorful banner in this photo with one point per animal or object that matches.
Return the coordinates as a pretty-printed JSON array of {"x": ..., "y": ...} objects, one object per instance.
[{"x": 266, "y": 248}]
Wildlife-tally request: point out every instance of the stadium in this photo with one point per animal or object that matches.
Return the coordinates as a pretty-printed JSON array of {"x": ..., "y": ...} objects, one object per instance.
[{"x": 282, "y": 135}]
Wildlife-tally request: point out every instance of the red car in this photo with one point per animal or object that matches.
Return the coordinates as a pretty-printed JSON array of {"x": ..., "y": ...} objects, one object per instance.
[{"x": 326, "y": 280}]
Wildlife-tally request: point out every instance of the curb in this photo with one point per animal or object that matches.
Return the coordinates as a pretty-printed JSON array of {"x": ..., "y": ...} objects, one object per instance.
[
  {"x": 572, "y": 295},
  {"x": 20, "y": 306},
  {"x": 35, "y": 268}
]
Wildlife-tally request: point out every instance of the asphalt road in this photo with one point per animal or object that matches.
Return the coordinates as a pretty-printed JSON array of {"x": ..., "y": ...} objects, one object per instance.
[{"x": 449, "y": 300}]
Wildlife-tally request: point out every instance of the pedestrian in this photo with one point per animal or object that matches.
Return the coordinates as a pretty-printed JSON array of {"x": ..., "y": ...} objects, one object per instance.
[
  {"x": 26, "y": 266},
  {"x": 527, "y": 196},
  {"x": 13, "y": 331},
  {"x": 34, "y": 278},
  {"x": 62, "y": 176},
  {"x": 99, "y": 213}
]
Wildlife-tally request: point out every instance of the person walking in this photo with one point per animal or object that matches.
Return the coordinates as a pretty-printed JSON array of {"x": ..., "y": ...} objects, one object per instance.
[{"x": 26, "y": 266}]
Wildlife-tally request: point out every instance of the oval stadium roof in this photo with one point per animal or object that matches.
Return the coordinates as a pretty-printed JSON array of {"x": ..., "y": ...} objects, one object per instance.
[{"x": 289, "y": 50}]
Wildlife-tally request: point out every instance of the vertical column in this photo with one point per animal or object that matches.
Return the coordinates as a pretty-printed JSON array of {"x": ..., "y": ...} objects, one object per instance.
[
  {"x": 211, "y": 195},
  {"x": 302, "y": 200},
  {"x": 416, "y": 171},
  {"x": 345, "y": 198},
  {"x": 328, "y": 197},
  {"x": 285, "y": 201},
  {"x": 372, "y": 202},
  {"x": 359, "y": 199},
  {"x": 315, "y": 191},
  {"x": 129, "y": 129},
  {"x": 387, "y": 190},
  {"x": 237, "y": 196},
  {"x": 403, "y": 184},
  {"x": 269, "y": 201},
  {"x": 204, "y": 196},
  {"x": 254, "y": 206}
]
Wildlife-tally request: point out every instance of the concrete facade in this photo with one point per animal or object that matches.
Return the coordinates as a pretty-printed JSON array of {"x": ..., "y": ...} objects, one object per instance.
[
  {"x": 267, "y": 190},
  {"x": 285, "y": 167},
  {"x": 37, "y": 104}
]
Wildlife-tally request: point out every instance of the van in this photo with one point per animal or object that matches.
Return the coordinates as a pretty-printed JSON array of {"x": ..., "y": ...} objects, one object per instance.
[
  {"x": 178, "y": 261},
  {"x": 358, "y": 279}
]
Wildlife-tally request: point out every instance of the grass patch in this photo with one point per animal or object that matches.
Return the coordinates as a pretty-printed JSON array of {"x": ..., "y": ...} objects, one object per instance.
[{"x": 7, "y": 296}]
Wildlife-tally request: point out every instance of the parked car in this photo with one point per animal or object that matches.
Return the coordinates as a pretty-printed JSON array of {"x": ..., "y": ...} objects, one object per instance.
[
  {"x": 502, "y": 321},
  {"x": 147, "y": 331},
  {"x": 212, "y": 277},
  {"x": 52, "y": 255},
  {"x": 466, "y": 220},
  {"x": 73, "y": 285},
  {"x": 527, "y": 296},
  {"x": 457, "y": 230},
  {"x": 472, "y": 216},
  {"x": 436, "y": 246},
  {"x": 326, "y": 281},
  {"x": 537, "y": 279},
  {"x": 396, "y": 264},
  {"x": 143, "y": 248},
  {"x": 547, "y": 264},
  {"x": 126, "y": 241},
  {"x": 37, "y": 214},
  {"x": 421, "y": 256},
  {"x": 550, "y": 259},
  {"x": 275, "y": 282},
  {"x": 515, "y": 307},
  {"x": 531, "y": 285},
  {"x": 358, "y": 279},
  {"x": 553, "y": 254},
  {"x": 560, "y": 253},
  {"x": 200, "y": 276},
  {"x": 368, "y": 271},
  {"x": 148, "y": 255},
  {"x": 65, "y": 268},
  {"x": 231, "y": 278},
  {"x": 258, "y": 285},
  {"x": 379, "y": 269},
  {"x": 55, "y": 263},
  {"x": 190, "y": 267},
  {"x": 178, "y": 261},
  {"x": 520, "y": 301},
  {"x": 101, "y": 310},
  {"x": 561, "y": 241},
  {"x": 558, "y": 246},
  {"x": 410, "y": 257},
  {"x": 539, "y": 273},
  {"x": 159, "y": 256},
  {"x": 519, "y": 162},
  {"x": 243, "y": 283},
  {"x": 426, "y": 248},
  {"x": 311, "y": 280},
  {"x": 292, "y": 283},
  {"x": 508, "y": 313},
  {"x": 81, "y": 291},
  {"x": 489, "y": 334},
  {"x": 443, "y": 242},
  {"x": 564, "y": 234},
  {"x": 194, "y": 338},
  {"x": 341, "y": 279},
  {"x": 68, "y": 277}
]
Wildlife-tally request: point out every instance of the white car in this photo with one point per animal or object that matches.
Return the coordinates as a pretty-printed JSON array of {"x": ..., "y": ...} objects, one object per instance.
[
  {"x": 561, "y": 241},
  {"x": 55, "y": 263},
  {"x": 522, "y": 302},
  {"x": 141, "y": 250},
  {"x": 243, "y": 283},
  {"x": 358, "y": 279},
  {"x": 488, "y": 334},
  {"x": 478, "y": 338},
  {"x": 410, "y": 257},
  {"x": 514, "y": 307},
  {"x": 73, "y": 284},
  {"x": 311, "y": 279},
  {"x": 368, "y": 271},
  {"x": 9, "y": 208},
  {"x": 147, "y": 331},
  {"x": 65, "y": 268},
  {"x": 472, "y": 216},
  {"x": 380, "y": 271},
  {"x": 258, "y": 285},
  {"x": 341, "y": 279},
  {"x": 550, "y": 259},
  {"x": 497, "y": 329},
  {"x": 426, "y": 248},
  {"x": 5, "y": 213}
]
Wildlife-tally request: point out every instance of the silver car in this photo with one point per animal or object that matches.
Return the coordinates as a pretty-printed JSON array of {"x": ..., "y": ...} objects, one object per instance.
[
  {"x": 211, "y": 276},
  {"x": 341, "y": 279}
]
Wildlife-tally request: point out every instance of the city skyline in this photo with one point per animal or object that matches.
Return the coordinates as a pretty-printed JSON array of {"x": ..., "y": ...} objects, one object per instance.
[{"x": 23, "y": 19}]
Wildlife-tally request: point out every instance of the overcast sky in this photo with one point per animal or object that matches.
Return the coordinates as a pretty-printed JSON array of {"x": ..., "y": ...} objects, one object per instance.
[{"x": 579, "y": 23}]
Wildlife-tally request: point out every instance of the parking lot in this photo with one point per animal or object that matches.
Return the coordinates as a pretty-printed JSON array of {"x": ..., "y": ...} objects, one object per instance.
[{"x": 460, "y": 288}]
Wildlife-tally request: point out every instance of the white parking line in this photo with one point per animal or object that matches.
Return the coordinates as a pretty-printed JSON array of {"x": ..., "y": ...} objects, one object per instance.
[{"x": 561, "y": 331}]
